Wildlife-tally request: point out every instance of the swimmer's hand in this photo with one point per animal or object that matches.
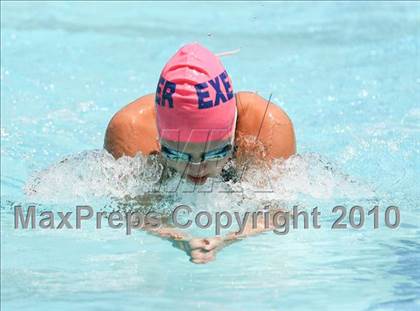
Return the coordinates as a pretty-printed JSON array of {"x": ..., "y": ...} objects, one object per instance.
[
  {"x": 201, "y": 250},
  {"x": 204, "y": 250}
]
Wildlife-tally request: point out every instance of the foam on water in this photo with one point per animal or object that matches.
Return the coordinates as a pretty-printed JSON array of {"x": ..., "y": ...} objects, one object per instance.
[{"x": 96, "y": 174}]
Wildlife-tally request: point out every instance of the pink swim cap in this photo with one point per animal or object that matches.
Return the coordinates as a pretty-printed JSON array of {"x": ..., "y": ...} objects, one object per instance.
[{"x": 194, "y": 97}]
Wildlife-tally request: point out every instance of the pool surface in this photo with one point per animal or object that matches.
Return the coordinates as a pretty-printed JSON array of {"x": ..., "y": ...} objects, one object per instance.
[{"x": 347, "y": 74}]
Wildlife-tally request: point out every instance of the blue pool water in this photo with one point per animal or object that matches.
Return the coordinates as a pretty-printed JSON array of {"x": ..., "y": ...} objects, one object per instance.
[{"x": 348, "y": 75}]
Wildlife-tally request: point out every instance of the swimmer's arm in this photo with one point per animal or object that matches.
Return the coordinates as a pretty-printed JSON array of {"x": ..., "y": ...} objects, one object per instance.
[
  {"x": 163, "y": 229},
  {"x": 204, "y": 250},
  {"x": 152, "y": 222},
  {"x": 168, "y": 232},
  {"x": 199, "y": 250},
  {"x": 251, "y": 229}
]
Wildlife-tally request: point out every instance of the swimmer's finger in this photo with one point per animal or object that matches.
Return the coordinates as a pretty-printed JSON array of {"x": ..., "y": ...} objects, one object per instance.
[
  {"x": 198, "y": 256},
  {"x": 196, "y": 243},
  {"x": 201, "y": 261},
  {"x": 190, "y": 245},
  {"x": 212, "y": 243}
]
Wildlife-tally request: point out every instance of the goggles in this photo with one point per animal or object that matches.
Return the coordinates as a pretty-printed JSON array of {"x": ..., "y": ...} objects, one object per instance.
[{"x": 213, "y": 155}]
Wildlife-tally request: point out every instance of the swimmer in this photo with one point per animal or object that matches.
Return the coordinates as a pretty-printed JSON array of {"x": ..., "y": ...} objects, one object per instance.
[{"x": 196, "y": 123}]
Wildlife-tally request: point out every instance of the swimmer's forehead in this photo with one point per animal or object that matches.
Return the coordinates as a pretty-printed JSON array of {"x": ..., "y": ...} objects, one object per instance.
[{"x": 195, "y": 147}]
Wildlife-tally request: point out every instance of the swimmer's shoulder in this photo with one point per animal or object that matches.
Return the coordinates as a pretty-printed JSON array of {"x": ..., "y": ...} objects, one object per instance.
[
  {"x": 262, "y": 118},
  {"x": 133, "y": 129}
]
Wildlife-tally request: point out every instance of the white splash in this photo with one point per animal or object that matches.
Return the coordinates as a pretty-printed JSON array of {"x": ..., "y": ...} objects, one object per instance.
[{"x": 96, "y": 174}]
